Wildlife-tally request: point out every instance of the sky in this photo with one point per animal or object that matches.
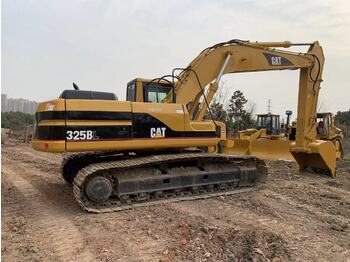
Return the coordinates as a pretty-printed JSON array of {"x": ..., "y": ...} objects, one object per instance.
[{"x": 102, "y": 45}]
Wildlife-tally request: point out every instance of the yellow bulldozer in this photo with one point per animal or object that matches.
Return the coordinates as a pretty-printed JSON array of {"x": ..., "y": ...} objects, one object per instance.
[
  {"x": 326, "y": 130},
  {"x": 155, "y": 146},
  {"x": 268, "y": 140}
]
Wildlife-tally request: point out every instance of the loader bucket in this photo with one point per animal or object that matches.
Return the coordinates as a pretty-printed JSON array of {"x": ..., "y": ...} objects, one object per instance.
[
  {"x": 271, "y": 149},
  {"x": 320, "y": 157}
]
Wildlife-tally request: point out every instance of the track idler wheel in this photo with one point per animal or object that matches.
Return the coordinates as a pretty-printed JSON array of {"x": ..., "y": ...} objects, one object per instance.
[{"x": 98, "y": 189}]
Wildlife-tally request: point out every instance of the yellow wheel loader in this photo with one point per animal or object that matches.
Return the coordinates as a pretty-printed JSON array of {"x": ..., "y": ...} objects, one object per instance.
[{"x": 156, "y": 147}]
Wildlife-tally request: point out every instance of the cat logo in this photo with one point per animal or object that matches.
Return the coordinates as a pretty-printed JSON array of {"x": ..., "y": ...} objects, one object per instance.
[
  {"x": 276, "y": 60},
  {"x": 158, "y": 132}
]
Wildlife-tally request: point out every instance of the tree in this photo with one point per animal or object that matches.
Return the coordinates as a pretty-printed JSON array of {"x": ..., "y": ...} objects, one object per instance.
[
  {"x": 247, "y": 119},
  {"x": 239, "y": 118},
  {"x": 218, "y": 111},
  {"x": 236, "y": 117}
]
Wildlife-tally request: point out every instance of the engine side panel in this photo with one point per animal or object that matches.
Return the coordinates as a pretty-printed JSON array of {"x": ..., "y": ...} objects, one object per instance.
[{"x": 100, "y": 125}]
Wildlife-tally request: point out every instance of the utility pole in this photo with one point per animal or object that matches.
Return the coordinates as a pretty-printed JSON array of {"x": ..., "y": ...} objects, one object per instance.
[{"x": 269, "y": 106}]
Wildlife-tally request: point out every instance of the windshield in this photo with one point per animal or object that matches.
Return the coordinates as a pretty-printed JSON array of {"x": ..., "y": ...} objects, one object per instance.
[{"x": 155, "y": 93}]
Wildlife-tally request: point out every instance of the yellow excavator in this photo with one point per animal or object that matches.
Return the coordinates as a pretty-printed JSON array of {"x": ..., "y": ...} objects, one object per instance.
[{"x": 156, "y": 146}]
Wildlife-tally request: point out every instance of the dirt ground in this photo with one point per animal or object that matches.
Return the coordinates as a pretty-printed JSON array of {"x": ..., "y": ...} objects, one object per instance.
[{"x": 294, "y": 217}]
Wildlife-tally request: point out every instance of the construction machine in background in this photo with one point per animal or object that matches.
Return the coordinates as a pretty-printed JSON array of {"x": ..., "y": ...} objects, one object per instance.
[
  {"x": 326, "y": 130},
  {"x": 271, "y": 140},
  {"x": 156, "y": 145},
  {"x": 268, "y": 140}
]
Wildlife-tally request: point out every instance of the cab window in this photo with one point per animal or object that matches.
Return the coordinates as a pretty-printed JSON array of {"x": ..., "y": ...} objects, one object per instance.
[
  {"x": 152, "y": 96},
  {"x": 155, "y": 93},
  {"x": 131, "y": 92}
]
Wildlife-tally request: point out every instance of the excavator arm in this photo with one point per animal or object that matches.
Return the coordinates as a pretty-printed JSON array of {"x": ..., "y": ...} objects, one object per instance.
[{"x": 198, "y": 83}]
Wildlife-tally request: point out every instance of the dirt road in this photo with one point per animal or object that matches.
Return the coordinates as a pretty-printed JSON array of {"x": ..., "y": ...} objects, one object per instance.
[{"x": 295, "y": 217}]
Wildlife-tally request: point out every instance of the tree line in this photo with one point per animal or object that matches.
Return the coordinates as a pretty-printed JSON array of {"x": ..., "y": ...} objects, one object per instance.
[
  {"x": 342, "y": 121},
  {"x": 16, "y": 119},
  {"x": 343, "y": 118}
]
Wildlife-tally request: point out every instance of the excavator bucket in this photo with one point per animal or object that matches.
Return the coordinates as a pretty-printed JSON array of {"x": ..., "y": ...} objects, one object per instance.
[
  {"x": 320, "y": 157},
  {"x": 263, "y": 148}
]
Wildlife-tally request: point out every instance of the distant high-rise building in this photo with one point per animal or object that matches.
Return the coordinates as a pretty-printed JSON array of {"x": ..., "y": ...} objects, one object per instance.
[
  {"x": 3, "y": 102},
  {"x": 17, "y": 105}
]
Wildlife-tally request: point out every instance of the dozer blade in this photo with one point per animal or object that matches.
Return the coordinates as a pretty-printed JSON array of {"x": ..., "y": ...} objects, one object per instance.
[
  {"x": 265, "y": 149},
  {"x": 320, "y": 157},
  {"x": 271, "y": 149},
  {"x": 238, "y": 147}
]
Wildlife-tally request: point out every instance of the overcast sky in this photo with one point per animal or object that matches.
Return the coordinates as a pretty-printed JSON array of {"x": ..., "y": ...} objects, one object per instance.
[{"x": 101, "y": 45}]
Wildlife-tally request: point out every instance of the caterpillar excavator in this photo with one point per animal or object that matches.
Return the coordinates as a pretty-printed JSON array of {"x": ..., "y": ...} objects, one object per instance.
[{"x": 156, "y": 147}]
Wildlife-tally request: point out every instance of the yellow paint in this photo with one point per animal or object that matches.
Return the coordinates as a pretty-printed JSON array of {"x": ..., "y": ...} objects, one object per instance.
[{"x": 122, "y": 145}]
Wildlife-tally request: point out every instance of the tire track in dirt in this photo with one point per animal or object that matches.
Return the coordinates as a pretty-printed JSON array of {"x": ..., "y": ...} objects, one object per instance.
[
  {"x": 121, "y": 236},
  {"x": 223, "y": 214},
  {"x": 28, "y": 154},
  {"x": 19, "y": 242},
  {"x": 53, "y": 225},
  {"x": 99, "y": 234},
  {"x": 317, "y": 212}
]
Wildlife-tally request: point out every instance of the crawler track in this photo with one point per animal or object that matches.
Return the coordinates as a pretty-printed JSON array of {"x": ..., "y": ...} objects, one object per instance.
[
  {"x": 73, "y": 162},
  {"x": 228, "y": 173}
]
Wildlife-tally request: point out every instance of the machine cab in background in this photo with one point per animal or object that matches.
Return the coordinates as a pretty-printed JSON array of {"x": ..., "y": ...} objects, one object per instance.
[
  {"x": 326, "y": 128},
  {"x": 323, "y": 124},
  {"x": 270, "y": 122},
  {"x": 146, "y": 90}
]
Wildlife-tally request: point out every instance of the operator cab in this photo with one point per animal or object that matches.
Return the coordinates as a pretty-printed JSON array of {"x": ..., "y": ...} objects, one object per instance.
[
  {"x": 323, "y": 124},
  {"x": 146, "y": 90},
  {"x": 270, "y": 122}
]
